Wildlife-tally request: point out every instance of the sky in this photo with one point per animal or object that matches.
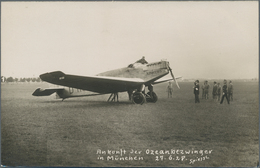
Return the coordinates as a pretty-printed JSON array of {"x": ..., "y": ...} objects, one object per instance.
[{"x": 216, "y": 40}]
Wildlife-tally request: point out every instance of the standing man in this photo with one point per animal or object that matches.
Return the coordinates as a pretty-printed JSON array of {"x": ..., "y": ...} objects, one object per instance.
[
  {"x": 230, "y": 91},
  {"x": 224, "y": 91},
  {"x": 206, "y": 90},
  {"x": 218, "y": 91},
  {"x": 115, "y": 98},
  {"x": 197, "y": 91},
  {"x": 214, "y": 92},
  {"x": 169, "y": 89},
  {"x": 203, "y": 93}
]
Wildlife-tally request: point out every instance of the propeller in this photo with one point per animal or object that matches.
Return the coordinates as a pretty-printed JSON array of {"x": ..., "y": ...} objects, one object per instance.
[{"x": 174, "y": 77}]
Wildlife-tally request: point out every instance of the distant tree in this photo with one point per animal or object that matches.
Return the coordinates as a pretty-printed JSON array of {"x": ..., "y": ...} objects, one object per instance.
[
  {"x": 15, "y": 79},
  {"x": 10, "y": 79},
  {"x": 22, "y": 79},
  {"x": 33, "y": 79},
  {"x": 28, "y": 79},
  {"x": 38, "y": 79}
]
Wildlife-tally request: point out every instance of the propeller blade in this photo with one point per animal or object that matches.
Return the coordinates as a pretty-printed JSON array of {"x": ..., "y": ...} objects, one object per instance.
[{"x": 174, "y": 78}]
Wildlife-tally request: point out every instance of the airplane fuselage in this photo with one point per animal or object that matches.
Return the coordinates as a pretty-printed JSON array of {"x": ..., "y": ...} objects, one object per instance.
[{"x": 147, "y": 72}]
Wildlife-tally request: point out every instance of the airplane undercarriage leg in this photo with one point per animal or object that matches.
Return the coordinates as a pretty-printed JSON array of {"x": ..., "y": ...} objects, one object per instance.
[
  {"x": 115, "y": 97},
  {"x": 130, "y": 92},
  {"x": 110, "y": 97},
  {"x": 150, "y": 88}
]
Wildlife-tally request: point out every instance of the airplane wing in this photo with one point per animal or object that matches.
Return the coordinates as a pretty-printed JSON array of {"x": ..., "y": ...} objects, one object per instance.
[
  {"x": 99, "y": 84},
  {"x": 157, "y": 82}
]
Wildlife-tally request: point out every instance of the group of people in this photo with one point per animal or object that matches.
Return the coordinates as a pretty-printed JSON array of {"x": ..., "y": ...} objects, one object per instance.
[{"x": 227, "y": 91}]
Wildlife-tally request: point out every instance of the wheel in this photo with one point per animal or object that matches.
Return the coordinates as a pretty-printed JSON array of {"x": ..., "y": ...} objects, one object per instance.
[
  {"x": 151, "y": 98},
  {"x": 138, "y": 98}
]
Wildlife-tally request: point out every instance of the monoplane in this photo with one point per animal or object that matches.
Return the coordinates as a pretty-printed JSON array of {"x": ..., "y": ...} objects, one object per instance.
[{"x": 132, "y": 79}]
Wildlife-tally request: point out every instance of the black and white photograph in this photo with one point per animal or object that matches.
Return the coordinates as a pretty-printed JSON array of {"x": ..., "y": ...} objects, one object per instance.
[{"x": 130, "y": 83}]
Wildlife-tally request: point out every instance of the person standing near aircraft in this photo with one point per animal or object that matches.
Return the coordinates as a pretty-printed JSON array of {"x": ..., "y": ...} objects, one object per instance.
[
  {"x": 197, "y": 91},
  {"x": 224, "y": 91},
  {"x": 230, "y": 91},
  {"x": 203, "y": 93},
  {"x": 142, "y": 61},
  {"x": 218, "y": 91},
  {"x": 115, "y": 98},
  {"x": 206, "y": 90},
  {"x": 214, "y": 92},
  {"x": 169, "y": 89}
]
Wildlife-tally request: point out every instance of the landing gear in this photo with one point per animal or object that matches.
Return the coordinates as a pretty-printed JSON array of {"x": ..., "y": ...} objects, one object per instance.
[
  {"x": 151, "y": 97},
  {"x": 138, "y": 98}
]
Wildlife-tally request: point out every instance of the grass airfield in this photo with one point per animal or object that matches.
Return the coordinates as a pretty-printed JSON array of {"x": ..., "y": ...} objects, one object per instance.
[{"x": 43, "y": 131}]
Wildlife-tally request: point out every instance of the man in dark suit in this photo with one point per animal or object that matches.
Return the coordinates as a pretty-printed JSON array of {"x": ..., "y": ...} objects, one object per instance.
[
  {"x": 214, "y": 92},
  {"x": 218, "y": 92},
  {"x": 206, "y": 90},
  {"x": 196, "y": 91},
  {"x": 230, "y": 91},
  {"x": 224, "y": 92}
]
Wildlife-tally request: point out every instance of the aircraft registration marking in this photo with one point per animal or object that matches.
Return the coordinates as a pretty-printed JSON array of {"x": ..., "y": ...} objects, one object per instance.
[
  {"x": 154, "y": 72},
  {"x": 153, "y": 64}
]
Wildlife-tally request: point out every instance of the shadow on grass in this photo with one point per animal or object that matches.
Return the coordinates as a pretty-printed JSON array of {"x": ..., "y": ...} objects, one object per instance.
[{"x": 89, "y": 103}]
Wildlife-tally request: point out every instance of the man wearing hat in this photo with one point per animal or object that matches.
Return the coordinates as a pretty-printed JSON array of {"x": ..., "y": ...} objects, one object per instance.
[
  {"x": 214, "y": 92},
  {"x": 224, "y": 92},
  {"x": 196, "y": 91},
  {"x": 230, "y": 91},
  {"x": 206, "y": 89}
]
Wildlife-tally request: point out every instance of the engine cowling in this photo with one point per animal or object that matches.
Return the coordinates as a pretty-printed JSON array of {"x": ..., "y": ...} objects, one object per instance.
[{"x": 138, "y": 98}]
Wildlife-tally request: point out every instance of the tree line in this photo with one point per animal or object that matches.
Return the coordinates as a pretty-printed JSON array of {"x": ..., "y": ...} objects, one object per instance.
[{"x": 12, "y": 79}]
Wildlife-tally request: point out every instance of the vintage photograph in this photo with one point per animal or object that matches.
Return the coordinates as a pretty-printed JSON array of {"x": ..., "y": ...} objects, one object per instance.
[{"x": 130, "y": 84}]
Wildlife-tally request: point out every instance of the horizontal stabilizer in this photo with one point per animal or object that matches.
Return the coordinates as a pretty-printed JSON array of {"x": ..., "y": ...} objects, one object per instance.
[{"x": 45, "y": 92}]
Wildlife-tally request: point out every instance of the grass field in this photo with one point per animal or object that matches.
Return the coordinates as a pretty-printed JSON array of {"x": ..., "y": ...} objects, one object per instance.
[{"x": 43, "y": 131}]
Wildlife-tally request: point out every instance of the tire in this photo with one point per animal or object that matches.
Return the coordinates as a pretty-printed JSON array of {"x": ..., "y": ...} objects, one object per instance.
[
  {"x": 152, "y": 98},
  {"x": 138, "y": 98}
]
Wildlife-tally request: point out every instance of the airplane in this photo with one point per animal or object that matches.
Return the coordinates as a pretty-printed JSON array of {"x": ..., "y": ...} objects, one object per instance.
[{"x": 131, "y": 79}]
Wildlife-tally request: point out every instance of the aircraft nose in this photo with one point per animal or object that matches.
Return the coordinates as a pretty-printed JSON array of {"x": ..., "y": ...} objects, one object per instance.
[
  {"x": 52, "y": 76},
  {"x": 44, "y": 76}
]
